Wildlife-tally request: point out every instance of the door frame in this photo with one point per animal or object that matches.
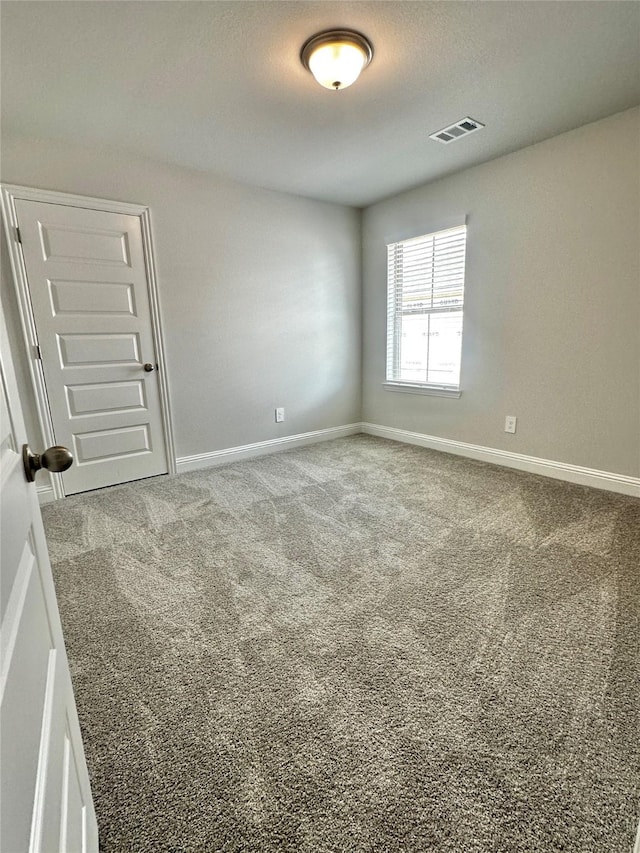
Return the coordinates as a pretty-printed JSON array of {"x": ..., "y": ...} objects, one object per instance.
[{"x": 9, "y": 194}]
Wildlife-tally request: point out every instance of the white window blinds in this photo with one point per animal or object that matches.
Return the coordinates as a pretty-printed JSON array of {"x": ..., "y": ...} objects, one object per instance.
[{"x": 424, "y": 309}]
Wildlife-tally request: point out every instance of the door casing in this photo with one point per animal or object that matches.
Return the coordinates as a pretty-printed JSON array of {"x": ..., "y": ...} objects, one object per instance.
[{"x": 9, "y": 194}]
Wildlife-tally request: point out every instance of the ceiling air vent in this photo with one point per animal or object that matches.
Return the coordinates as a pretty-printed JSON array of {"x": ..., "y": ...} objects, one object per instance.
[{"x": 456, "y": 131}]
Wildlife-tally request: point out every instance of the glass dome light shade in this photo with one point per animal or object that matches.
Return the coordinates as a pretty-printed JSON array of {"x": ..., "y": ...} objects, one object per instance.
[
  {"x": 336, "y": 57},
  {"x": 336, "y": 65}
]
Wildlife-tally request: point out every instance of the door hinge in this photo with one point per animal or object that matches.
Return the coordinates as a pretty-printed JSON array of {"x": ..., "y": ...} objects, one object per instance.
[
  {"x": 37, "y": 352},
  {"x": 18, "y": 236}
]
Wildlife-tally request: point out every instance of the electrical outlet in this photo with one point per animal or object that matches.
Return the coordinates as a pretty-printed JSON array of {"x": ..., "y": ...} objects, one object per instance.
[
  {"x": 510, "y": 423},
  {"x": 279, "y": 415}
]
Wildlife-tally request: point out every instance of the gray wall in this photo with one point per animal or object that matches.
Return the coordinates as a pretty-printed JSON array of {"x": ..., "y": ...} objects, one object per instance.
[
  {"x": 552, "y": 315},
  {"x": 259, "y": 291}
]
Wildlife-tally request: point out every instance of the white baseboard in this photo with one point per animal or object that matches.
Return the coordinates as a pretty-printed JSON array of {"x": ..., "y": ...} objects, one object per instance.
[
  {"x": 534, "y": 465},
  {"x": 262, "y": 448},
  {"x": 45, "y": 494}
]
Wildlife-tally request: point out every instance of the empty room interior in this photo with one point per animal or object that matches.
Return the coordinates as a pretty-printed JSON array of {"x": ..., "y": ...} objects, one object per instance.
[{"x": 327, "y": 316}]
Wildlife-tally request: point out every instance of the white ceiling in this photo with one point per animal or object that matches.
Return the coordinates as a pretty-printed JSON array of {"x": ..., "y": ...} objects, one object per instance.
[{"x": 219, "y": 86}]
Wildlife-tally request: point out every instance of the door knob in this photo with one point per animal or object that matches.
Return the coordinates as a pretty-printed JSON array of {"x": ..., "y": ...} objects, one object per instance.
[
  {"x": 148, "y": 367},
  {"x": 56, "y": 459}
]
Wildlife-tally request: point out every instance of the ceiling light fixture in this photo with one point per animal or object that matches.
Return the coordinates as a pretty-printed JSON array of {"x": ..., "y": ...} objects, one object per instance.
[{"x": 336, "y": 57}]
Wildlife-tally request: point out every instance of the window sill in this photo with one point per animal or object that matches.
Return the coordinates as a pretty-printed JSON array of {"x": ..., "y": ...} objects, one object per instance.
[{"x": 429, "y": 390}]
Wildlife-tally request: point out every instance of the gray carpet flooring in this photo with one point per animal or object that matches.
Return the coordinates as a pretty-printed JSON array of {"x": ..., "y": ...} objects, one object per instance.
[{"x": 355, "y": 646}]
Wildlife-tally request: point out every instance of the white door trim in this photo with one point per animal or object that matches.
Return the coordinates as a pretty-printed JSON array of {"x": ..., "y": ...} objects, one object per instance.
[{"x": 10, "y": 193}]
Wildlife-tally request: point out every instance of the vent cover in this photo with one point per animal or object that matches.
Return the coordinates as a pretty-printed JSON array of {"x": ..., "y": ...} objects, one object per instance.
[{"x": 456, "y": 131}]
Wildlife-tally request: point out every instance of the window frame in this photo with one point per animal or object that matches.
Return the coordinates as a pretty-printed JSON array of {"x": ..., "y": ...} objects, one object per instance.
[{"x": 394, "y": 315}]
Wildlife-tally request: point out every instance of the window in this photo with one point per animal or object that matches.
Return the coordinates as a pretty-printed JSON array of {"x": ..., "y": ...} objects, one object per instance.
[{"x": 424, "y": 312}]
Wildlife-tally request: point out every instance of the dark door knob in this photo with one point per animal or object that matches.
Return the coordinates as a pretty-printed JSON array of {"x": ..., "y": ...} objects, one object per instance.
[
  {"x": 148, "y": 367},
  {"x": 56, "y": 459}
]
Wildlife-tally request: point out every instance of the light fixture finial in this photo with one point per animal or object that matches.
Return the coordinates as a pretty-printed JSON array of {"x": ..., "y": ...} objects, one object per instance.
[{"x": 336, "y": 57}]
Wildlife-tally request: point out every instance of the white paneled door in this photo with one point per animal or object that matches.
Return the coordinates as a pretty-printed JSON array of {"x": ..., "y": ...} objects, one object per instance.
[
  {"x": 88, "y": 288},
  {"x": 45, "y": 797}
]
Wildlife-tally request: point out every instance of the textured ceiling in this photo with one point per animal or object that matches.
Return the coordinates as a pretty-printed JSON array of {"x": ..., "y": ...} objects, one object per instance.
[{"x": 219, "y": 86}]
